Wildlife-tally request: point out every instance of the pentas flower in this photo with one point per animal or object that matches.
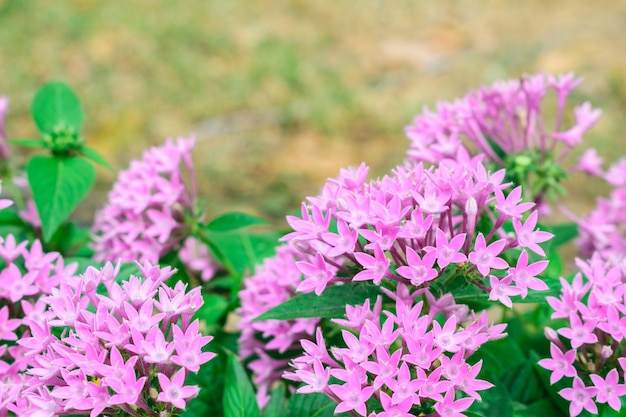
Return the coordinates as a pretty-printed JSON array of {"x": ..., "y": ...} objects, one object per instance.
[
  {"x": 274, "y": 282},
  {"x": 421, "y": 367},
  {"x": 28, "y": 274},
  {"x": 505, "y": 123},
  {"x": 592, "y": 343},
  {"x": 148, "y": 206},
  {"x": 123, "y": 347},
  {"x": 603, "y": 230},
  {"x": 417, "y": 226}
]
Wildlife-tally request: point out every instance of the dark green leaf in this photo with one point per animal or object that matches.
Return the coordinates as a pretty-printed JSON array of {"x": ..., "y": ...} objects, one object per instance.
[
  {"x": 233, "y": 221},
  {"x": 210, "y": 379},
  {"x": 277, "y": 406},
  {"x": 56, "y": 104},
  {"x": 551, "y": 389},
  {"x": 495, "y": 401},
  {"x": 29, "y": 143},
  {"x": 212, "y": 310},
  {"x": 523, "y": 383},
  {"x": 96, "y": 157},
  {"x": 240, "y": 251},
  {"x": 312, "y": 405},
  {"x": 58, "y": 185},
  {"x": 239, "y": 399},
  {"x": 563, "y": 233},
  {"x": 330, "y": 304}
]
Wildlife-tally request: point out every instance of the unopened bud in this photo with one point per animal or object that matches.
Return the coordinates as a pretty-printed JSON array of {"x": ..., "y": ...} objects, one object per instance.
[
  {"x": 606, "y": 352},
  {"x": 551, "y": 335},
  {"x": 471, "y": 207}
]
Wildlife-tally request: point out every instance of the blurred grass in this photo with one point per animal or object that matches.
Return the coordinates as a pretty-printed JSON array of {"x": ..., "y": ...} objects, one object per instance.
[{"x": 281, "y": 94}]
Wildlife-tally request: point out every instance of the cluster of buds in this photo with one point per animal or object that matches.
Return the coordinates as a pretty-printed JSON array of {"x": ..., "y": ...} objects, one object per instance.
[
  {"x": 589, "y": 348},
  {"x": 114, "y": 349},
  {"x": 505, "y": 123},
  {"x": 408, "y": 363}
]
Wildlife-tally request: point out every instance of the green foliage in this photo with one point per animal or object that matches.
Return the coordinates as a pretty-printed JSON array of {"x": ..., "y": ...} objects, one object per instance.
[
  {"x": 312, "y": 405},
  {"x": 277, "y": 406},
  {"x": 233, "y": 221},
  {"x": 239, "y": 399},
  {"x": 55, "y": 105},
  {"x": 212, "y": 310},
  {"x": 331, "y": 303},
  {"x": 58, "y": 185}
]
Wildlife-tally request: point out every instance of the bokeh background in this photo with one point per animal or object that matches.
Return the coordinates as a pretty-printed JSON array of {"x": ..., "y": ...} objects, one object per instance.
[{"x": 281, "y": 94}]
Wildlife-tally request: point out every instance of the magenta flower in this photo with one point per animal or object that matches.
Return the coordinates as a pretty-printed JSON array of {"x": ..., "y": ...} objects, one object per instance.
[
  {"x": 561, "y": 364},
  {"x": 376, "y": 267},
  {"x": 145, "y": 216},
  {"x": 352, "y": 396},
  {"x": 174, "y": 390},
  {"x": 421, "y": 269},
  {"x": 122, "y": 342},
  {"x": 486, "y": 257},
  {"x": 579, "y": 333},
  {"x": 504, "y": 125},
  {"x": 580, "y": 397},
  {"x": 608, "y": 389},
  {"x": 528, "y": 237},
  {"x": 397, "y": 375}
]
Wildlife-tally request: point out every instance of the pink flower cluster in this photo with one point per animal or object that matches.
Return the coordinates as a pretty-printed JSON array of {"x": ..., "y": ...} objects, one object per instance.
[
  {"x": 508, "y": 113},
  {"x": 28, "y": 273},
  {"x": 273, "y": 283},
  {"x": 126, "y": 349},
  {"x": 196, "y": 258},
  {"x": 146, "y": 211},
  {"x": 407, "y": 362},
  {"x": 419, "y": 225},
  {"x": 588, "y": 350},
  {"x": 505, "y": 123},
  {"x": 603, "y": 230}
]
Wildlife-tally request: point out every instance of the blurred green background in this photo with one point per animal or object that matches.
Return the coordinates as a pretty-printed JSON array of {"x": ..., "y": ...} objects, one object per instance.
[{"x": 281, "y": 94}]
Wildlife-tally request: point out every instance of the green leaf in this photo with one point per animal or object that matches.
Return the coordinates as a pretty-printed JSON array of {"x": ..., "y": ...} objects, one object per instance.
[
  {"x": 56, "y": 104},
  {"x": 330, "y": 304},
  {"x": 239, "y": 399},
  {"x": 212, "y": 310},
  {"x": 563, "y": 233},
  {"x": 29, "y": 143},
  {"x": 58, "y": 185},
  {"x": 240, "y": 251},
  {"x": 495, "y": 401},
  {"x": 312, "y": 405},
  {"x": 277, "y": 406},
  {"x": 233, "y": 221},
  {"x": 96, "y": 157},
  {"x": 210, "y": 379}
]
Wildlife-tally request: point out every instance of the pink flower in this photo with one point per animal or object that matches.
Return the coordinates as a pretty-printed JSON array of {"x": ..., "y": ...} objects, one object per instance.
[
  {"x": 579, "y": 333},
  {"x": 485, "y": 257},
  {"x": 590, "y": 163},
  {"x": 608, "y": 389},
  {"x": 580, "y": 397},
  {"x": 528, "y": 237},
  {"x": 561, "y": 364},
  {"x": 352, "y": 396},
  {"x": 174, "y": 391}
]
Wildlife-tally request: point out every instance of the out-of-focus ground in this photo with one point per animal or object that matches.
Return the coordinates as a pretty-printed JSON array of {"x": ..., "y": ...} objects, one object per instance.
[{"x": 281, "y": 94}]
